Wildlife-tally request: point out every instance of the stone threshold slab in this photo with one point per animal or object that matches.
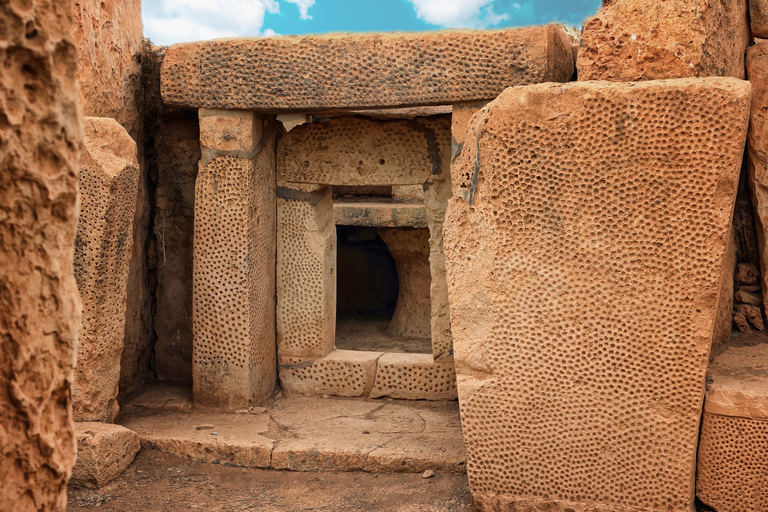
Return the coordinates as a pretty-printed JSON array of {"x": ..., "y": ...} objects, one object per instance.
[{"x": 309, "y": 434}]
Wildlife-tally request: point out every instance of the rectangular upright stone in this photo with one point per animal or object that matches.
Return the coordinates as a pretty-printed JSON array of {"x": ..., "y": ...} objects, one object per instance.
[
  {"x": 344, "y": 71},
  {"x": 585, "y": 243},
  {"x": 306, "y": 272},
  {"x": 234, "y": 359}
]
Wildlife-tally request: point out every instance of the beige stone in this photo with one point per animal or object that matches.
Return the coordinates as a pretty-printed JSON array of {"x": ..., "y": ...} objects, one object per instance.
[
  {"x": 747, "y": 273},
  {"x": 741, "y": 322},
  {"x": 229, "y": 130},
  {"x": 109, "y": 40},
  {"x": 758, "y": 18},
  {"x": 734, "y": 434},
  {"x": 585, "y": 244},
  {"x": 109, "y": 175},
  {"x": 340, "y": 373},
  {"x": 234, "y": 356},
  {"x": 408, "y": 193},
  {"x": 345, "y": 71},
  {"x": 748, "y": 298},
  {"x": 358, "y": 151},
  {"x": 104, "y": 452},
  {"x": 379, "y": 214},
  {"x": 39, "y": 305},
  {"x": 306, "y": 273},
  {"x": 413, "y": 313},
  {"x": 724, "y": 314},
  {"x": 414, "y": 377},
  {"x": 757, "y": 159},
  {"x": 630, "y": 40}
]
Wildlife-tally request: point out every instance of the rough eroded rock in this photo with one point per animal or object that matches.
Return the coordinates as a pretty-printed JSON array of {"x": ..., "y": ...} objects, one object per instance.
[
  {"x": 758, "y": 18},
  {"x": 109, "y": 177},
  {"x": 40, "y": 146},
  {"x": 103, "y": 452},
  {"x": 648, "y": 40},
  {"x": 585, "y": 244}
]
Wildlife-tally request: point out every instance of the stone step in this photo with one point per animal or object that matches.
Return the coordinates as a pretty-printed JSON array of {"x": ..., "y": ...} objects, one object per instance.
[{"x": 311, "y": 434}]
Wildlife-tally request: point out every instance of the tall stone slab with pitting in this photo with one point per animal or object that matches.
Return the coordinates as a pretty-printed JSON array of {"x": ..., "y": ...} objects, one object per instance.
[
  {"x": 233, "y": 318},
  {"x": 648, "y": 40},
  {"x": 585, "y": 243},
  {"x": 343, "y": 71},
  {"x": 40, "y": 146},
  {"x": 109, "y": 180}
]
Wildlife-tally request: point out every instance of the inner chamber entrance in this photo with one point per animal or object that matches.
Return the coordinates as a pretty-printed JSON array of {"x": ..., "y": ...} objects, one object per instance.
[{"x": 383, "y": 283}]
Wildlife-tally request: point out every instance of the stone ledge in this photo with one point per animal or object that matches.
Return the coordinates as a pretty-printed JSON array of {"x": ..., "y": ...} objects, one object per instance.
[
  {"x": 738, "y": 383},
  {"x": 366, "y": 71},
  {"x": 380, "y": 215}
]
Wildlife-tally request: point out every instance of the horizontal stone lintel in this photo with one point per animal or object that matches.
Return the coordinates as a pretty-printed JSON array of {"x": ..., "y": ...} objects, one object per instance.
[
  {"x": 345, "y": 71},
  {"x": 380, "y": 215}
]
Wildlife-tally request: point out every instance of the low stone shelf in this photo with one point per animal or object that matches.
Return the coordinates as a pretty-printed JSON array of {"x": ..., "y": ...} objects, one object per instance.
[
  {"x": 380, "y": 214},
  {"x": 733, "y": 448}
]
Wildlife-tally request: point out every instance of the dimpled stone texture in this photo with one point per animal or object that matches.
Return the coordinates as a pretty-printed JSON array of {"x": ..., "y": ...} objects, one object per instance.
[
  {"x": 306, "y": 276},
  {"x": 345, "y": 71},
  {"x": 340, "y": 373},
  {"x": 648, "y": 40},
  {"x": 234, "y": 356},
  {"x": 109, "y": 182},
  {"x": 584, "y": 247},
  {"x": 414, "y": 377},
  {"x": 40, "y": 136},
  {"x": 361, "y": 152}
]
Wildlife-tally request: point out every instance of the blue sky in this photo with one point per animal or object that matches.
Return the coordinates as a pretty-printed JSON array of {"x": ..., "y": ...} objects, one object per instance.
[{"x": 173, "y": 21}]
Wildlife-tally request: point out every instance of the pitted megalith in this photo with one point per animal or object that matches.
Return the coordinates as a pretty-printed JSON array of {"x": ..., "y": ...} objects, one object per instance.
[
  {"x": 585, "y": 243},
  {"x": 109, "y": 178}
]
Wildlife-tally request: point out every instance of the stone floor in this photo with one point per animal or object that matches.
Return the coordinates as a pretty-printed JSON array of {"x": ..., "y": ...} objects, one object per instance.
[
  {"x": 370, "y": 334},
  {"x": 304, "y": 433},
  {"x": 158, "y": 482}
]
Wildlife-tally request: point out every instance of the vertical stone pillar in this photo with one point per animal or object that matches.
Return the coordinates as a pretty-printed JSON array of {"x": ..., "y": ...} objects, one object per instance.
[
  {"x": 40, "y": 145},
  {"x": 306, "y": 272},
  {"x": 234, "y": 356}
]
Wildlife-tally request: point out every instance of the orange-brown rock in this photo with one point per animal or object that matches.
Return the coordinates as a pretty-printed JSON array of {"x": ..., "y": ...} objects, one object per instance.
[
  {"x": 344, "y": 71},
  {"x": 758, "y": 18},
  {"x": 746, "y": 273},
  {"x": 631, "y": 40},
  {"x": 734, "y": 434},
  {"x": 104, "y": 451},
  {"x": 40, "y": 143},
  {"x": 413, "y": 313},
  {"x": 757, "y": 153},
  {"x": 109, "y": 39},
  {"x": 585, "y": 243},
  {"x": 109, "y": 175}
]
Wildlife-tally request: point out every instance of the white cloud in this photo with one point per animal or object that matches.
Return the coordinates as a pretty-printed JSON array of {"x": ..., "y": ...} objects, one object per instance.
[
  {"x": 175, "y": 21},
  {"x": 304, "y": 6},
  {"x": 458, "y": 13}
]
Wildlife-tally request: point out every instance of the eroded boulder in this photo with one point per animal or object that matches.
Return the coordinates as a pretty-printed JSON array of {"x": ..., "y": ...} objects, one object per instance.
[{"x": 104, "y": 452}]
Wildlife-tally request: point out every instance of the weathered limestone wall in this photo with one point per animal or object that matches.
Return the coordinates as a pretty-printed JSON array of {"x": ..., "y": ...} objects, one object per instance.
[
  {"x": 343, "y": 71},
  {"x": 109, "y": 176},
  {"x": 588, "y": 392},
  {"x": 234, "y": 355},
  {"x": 629, "y": 40},
  {"x": 758, "y": 17},
  {"x": 39, "y": 305}
]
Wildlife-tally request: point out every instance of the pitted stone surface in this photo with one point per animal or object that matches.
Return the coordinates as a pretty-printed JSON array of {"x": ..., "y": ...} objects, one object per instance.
[
  {"x": 345, "y": 71},
  {"x": 631, "y": 40},
  {"x": 104, "y": 451},
  {"x": 758, "y": 18},
  {"x": 306, "y": 273},
  {"x": 109, "y": 180},
  {"x": 229, "y": 130},
  {"x": 585, "y": 243},
  {"x": 362, "y": 152},
  {"x": 380, "y": 214},
  {"x": 340, "y": 373},
  {"x": 415, "y": 377},
  {"x": 39, "y": 305},
  {"x": 733, "y": 449},
  {"x": 234, "y": 280}
]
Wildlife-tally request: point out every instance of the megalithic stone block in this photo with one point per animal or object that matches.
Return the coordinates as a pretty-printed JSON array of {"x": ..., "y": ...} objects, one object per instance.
[
  {"x": 585, "y": 243},
  {"x": 109, "y": 180}
]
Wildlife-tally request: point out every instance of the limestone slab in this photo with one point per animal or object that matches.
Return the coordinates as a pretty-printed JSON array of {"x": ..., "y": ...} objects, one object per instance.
[
  {"x": 344, "y": 71},
  {"x": 415, "y": 377},
  {"x": 585, "y": 243},
  {"x": 230, "y": 130},
  {"x": 340, "y": 373},
  {"x": 384, "y": 215},
  {"x": 104, "y": 451},
  {"x": 41, "y": 141},
  {"x": 631, "y": 40},
  {"x": 109, "y": 178}
]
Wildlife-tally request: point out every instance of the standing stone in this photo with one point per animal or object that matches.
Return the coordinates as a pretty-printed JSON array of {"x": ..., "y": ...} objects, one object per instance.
[
  {"x": 40, "y": 142},
  {"x": 630, "y": 40},
  {"x": 585, "y": 244},
  {"x": 109, "y": 175},
  {"x": 757, "y": 151},
  {"x": 234, "y": 359},
  {"x": 758, "y": 17}
]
